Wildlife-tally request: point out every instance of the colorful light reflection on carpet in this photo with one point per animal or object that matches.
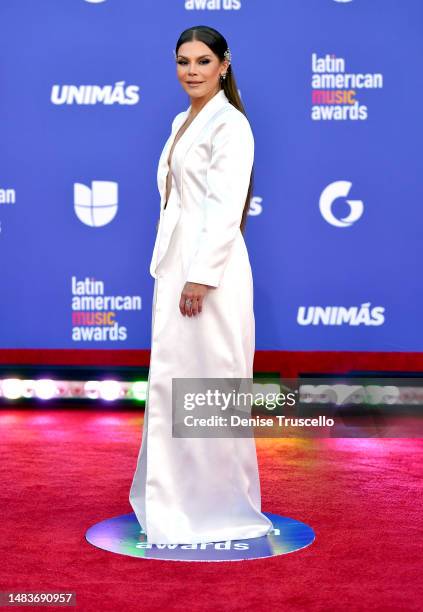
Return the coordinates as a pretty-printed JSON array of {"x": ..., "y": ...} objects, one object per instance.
[{"x": 122, "y": 535}]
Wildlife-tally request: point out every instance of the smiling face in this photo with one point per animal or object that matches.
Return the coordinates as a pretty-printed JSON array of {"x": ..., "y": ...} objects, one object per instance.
[{"x": 199, "y": 69}]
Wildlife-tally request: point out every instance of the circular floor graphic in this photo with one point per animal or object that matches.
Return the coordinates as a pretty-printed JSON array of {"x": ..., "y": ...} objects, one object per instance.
[{"x": 123, "y": 535}]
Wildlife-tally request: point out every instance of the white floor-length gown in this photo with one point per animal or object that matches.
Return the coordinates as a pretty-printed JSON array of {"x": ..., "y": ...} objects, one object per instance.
[{"x": 194, "y": 490}]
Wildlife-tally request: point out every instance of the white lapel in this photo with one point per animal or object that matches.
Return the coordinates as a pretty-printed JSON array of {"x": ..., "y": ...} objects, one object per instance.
[
  {"x": 215, "y": 103},
  {"x": 169, "y": 217}
]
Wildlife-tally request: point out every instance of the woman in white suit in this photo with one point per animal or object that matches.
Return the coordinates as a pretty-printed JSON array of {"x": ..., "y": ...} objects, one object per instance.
[{"x": 192, "y": 490}]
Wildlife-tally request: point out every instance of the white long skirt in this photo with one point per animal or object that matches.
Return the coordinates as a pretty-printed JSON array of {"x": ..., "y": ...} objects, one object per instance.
[{"x": 195, "y": 490}]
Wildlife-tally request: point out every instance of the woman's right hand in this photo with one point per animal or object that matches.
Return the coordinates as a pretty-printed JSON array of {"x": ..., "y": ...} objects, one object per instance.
[{"x": 196, "y": 293}]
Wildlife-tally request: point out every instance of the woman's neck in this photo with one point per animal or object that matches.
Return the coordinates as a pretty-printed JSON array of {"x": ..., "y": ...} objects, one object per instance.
[{"x": 198, "y": 103}]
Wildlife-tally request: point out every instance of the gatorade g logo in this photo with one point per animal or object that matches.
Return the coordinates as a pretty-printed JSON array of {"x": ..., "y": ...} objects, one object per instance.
[{"x": 339, "y": 189}]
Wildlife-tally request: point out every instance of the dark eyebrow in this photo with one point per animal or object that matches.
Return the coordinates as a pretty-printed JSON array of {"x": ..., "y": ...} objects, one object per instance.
[{"x": 199, "y": 57}]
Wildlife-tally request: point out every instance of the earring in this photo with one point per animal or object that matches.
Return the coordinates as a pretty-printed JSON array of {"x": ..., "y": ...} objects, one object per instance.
[
  {"x": 223, "y": 76},
  {"x": 228, "y": 56}
]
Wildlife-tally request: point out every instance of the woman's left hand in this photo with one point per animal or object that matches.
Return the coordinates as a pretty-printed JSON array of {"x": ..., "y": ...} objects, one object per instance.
[{"x": 194, "y": 292}]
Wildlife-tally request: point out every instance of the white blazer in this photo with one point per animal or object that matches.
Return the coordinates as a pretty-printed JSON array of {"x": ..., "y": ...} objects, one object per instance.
[{"x": 213, "y": 161}]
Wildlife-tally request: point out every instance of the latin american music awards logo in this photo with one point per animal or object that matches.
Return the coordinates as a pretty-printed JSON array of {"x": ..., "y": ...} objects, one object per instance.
[{"x": 122, "y": 534}]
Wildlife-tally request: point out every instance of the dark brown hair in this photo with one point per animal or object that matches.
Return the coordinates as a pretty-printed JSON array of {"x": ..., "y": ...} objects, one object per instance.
[{"x": 217, "y": 43}]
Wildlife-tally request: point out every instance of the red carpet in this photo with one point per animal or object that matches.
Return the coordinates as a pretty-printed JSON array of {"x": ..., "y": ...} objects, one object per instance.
[{"x": 62, "y": 471}]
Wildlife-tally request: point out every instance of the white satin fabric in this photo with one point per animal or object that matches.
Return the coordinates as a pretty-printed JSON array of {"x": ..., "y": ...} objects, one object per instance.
[{"x": 194, "y": 490}]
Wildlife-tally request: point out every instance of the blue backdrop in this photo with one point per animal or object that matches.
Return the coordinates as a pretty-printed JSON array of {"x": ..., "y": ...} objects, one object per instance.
[{"x": 331, "y": 89}]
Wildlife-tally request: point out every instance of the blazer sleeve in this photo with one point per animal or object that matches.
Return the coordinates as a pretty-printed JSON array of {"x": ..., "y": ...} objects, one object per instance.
[{"x": 228, "y": 178}]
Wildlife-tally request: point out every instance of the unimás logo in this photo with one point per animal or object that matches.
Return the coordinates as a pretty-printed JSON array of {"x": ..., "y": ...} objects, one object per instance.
[
  {"x": 96, "y": 205},
  {"x": 335, "y": 190},
  {"x": 256, "y": 207},
  {"x": 95, "y": 94},
  {"x": 341, "y": 315}
]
